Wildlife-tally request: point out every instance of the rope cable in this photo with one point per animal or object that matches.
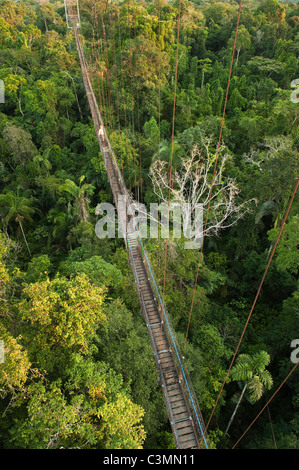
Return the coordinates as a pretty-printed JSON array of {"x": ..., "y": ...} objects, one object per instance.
[
  {"x": 171, "y": 152},
  {"x": 214, "y": 173},
  {"x": 256, "y": 298},
  {"x": 108, "y": 84},
  {"x": 124, "y": 94},
  {"x": 159, "y": 136},
  {"x": 140, "y": 182},
  {"x": 101, "y": 85},
  {"x": 117, "y": 96},
  {"x": 132, "y": 97}
]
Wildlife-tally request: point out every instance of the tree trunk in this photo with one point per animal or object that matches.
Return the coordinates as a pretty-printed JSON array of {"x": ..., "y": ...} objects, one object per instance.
[
  {"x": 235, "y": 410},
  {"x": 83, "y": 211},
  {"x": 25, "y": 238},
  {"x": 20, "y": 106},
  {"x": 78, "y": 104}
]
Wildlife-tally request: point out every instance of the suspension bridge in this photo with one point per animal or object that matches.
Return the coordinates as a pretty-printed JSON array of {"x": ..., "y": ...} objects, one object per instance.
[
  {"x": 184, "y": 414},
  {"x": 188, "y": 428}
]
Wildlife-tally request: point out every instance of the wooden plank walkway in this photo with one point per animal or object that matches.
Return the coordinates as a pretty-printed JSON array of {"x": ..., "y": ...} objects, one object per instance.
[
  {"x": 178, "y": 411},
  {"x": 185, "y": 433}
]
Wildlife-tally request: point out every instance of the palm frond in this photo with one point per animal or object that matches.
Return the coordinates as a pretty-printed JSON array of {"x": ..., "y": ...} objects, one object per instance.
[
  {"x": 266, "y": 379},
  {"x": 260, "y": 361},
  {"x": 242, "y": 371},
  {"x": 255, "y": 389}
]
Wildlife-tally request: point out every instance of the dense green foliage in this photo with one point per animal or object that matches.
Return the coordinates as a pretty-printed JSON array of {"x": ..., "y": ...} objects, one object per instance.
[{"x": 79, "y": 369}]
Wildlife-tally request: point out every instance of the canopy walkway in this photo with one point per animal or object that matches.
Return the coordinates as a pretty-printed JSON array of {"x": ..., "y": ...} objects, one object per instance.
[{"x": 184, "y": 414}]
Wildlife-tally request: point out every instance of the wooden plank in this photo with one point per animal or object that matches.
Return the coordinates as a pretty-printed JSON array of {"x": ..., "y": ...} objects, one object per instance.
[
  {"x": 177, "y": 401},
  {"x": 178, "y": 404},
  {"x": 180, "y": 416},
  {"x": 175, "y": 386},
  {"x": 174, "y": 392},
  {"x": 153, "y": 316},
  {"x": 177, "y": 396},
  {"x": 146, "y": 297},
  {"x": 151, "y": 305},
  {"x": 153, "y": 312},
  {"x": 188, "y": 436},
  {"x": 153, "y": 319},
  {"x": 146, "y": 288},
  {"x": 169, "y": 373},
  {"x": 168, "y": 369},
  {"x": 185, "y": 431},
  {"x": 166, "y": 359},
  {"x": 158, "y": 329},
  {"x": 181, "y": 425},
  {"x": 147, "y": 293},
  {"x": 139, "y": 268},
  {"x": 180, "y": 410},
  {"x": 171, "y": 380},
  {"x": 192, "y": 444}
]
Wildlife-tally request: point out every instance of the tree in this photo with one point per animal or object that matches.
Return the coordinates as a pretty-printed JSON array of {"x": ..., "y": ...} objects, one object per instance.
[
  {"x": 61, "y": 221},
  {"x": 166, "y": 148},
  {"x": 119, "y": 417},
  {"x": 75, "y": 91},
  {"x": 6, "y": 34},
  {"x": 63, "y": 315},
  {"x": 100, "y": 272},
  {"x": 79, "y": 193},
  {"x": 243, "y": 41},
  {"x": 205, "y": 66},
  {"x": 57, "y": 422},
  {"x": 46, "y": 14},
  {"x": 91, "y": 409},
  {"x": 191, "y": 185},
  {"x": 32, "y": 32},
  {"x": 128, "y": 159},
  {"x": 17, "y": 208},
  {"x": 265, "y": 66},
  {"x": 38, "y": 268},
  {"x": 251, "y": 371},
  {"x": 287, "y": 254},
  {"x": 16, "y": 367},
  {"x": 20, "y": 144},
  {"x": 275, "y": 164},
  {"x": 13, "y": 85},
  {"x": 13, "y": 13},
  {"x": 274, "y": 11}
]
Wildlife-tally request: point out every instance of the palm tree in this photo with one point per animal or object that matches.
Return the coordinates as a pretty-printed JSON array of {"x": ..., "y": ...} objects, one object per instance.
[
  {"x": 251, "y": 371},
  {"x": 165, "y": 153},
  {"x": 61, "y": 222},
  {"x": 205, "y": 65},
  {"x": 79, "y": 194},
  {"x": 14, "y": 207},
  {"x": 75, "y": 90}
]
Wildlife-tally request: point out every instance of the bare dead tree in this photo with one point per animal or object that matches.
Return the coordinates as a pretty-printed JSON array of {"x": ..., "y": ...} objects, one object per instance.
[{"x": 191, "y": 185}]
